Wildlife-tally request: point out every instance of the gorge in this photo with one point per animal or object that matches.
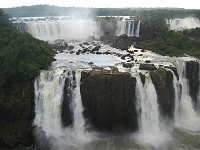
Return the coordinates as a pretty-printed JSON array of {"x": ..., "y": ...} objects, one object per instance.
[
  {"x": 94, "y": 96},
  {"x": 84, "y": 99}
]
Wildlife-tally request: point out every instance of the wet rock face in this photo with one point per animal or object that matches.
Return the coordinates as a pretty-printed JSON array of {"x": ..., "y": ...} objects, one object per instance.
[
  {"x": 147, "y": 67},
  {"x": 192, "y": 74},
  {"x": 66, "y": 115},
  {"x": 163, "y": 82},
  {"x": 109, "y": 101}
]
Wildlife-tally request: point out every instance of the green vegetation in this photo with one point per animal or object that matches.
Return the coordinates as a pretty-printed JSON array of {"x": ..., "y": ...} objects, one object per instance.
[
  {"x": 170, "y": 42},
  {"x": 21, "y": 55}
]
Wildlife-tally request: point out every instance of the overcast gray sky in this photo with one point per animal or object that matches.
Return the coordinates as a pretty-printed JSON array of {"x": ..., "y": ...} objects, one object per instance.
[{"x": 189, "y": 4}]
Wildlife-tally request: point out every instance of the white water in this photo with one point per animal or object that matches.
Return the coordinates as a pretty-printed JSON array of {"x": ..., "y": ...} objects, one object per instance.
[
  {"x": 79, "y": 121},
  {"x": 149, "y": 106},
  {"x": 188, "y": 118},
  {"x": 181, "y": 24},
  {"x": 177, "y": 98},
  {"x": 63, "y": 29},
  {"x": 137, "y": 32},
  {"x": 151, "y": 134},
  {"x": 198, "y": 95},
  {"x": 48, "y": 97},
  {"x": 128, "y": 27}
]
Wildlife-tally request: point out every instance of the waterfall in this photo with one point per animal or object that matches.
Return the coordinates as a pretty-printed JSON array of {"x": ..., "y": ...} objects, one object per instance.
[
  {"x": 77, "y": 106},
  {"x": 147, "y": 96},
  {"x": 63, "y": 29},
  {"x": 188, "y": 118},
  {"x": 179, "y": 24},
  {"x": 198, "y": 94},
  {"x": 49, "y": 87},
  {"x": 128, "y": 27},
  {"x": 48, "y": 97},
  {"x": 177, "y": 91},
  {"x": 137, "y": 32},
  {"x": 121, "y": 28}
]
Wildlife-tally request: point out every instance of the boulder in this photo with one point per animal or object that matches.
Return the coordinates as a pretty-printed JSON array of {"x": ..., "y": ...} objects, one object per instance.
[{"x": 127, "y": 65}]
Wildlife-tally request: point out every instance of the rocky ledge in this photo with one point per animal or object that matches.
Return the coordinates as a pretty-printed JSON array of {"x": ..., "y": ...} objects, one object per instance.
[{"x": 109, "y": 100}]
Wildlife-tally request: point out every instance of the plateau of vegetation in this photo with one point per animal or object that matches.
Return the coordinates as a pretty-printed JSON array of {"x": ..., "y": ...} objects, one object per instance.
[
  {"x": 21, "y": 55},
  {"x": 171, "y": 43}
]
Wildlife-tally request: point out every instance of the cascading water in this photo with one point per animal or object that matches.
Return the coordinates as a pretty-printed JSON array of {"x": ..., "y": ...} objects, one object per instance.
[
  {"x": 77, "y": 106},
  {"x": 181, "y": 24},
  {"x": 63, "y": 29},
  {"x": 151, "y": 134},
  {"x": 137, "y": 32},
  {"x": 121, "y": 28},
  {"x": 198, "y": 95},
  {"x": 146, "y": 94},
  {"x": 48, "y": 97},
  {"x": 49, "y": 88},
  {"x": 188, "y": 118},
  {"x": 128, "y": 27},
  {"x": 177, "y": 91}
]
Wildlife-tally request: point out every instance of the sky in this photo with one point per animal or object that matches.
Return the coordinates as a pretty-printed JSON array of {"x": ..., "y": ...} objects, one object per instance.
[{"x": 188, "y": 4}]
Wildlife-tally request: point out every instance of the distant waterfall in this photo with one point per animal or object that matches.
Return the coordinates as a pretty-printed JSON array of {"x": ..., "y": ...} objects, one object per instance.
[
  {"x": 128, "y": 27},
  {"x": 63, "y": 29},
  {"x": 198, "y": 95},
  {"x": 147, "y": 98},
  {"x": 188, "y": 118},
  {"x": 137, "y": 32},
  {"x": 180, "y": 24}
]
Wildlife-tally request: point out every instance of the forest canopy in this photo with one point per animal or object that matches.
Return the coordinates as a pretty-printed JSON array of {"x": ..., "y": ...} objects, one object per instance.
[{"x": 21, "y": 55}]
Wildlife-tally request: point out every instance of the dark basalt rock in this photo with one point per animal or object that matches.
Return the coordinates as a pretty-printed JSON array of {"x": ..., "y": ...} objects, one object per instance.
[
  {"x": 98, "y": 53},
  {"x": 77, "y": 53},
  {"x": 147, "y": 67},
  {"x": 123, "y": 57},
  {"x": 59, "y": 45},
  {"x": 72, "y": 52},
  {"x": 66, "y": 115},
  {"x": 148, "y": 61},
  {"x": 174, "y": 71},
  {"x": 70, "y": 48},
  {"x": 163, "y": 82},
  {"x": 96, "y": 48},
  {"x": 127, "y": 65},
  {"x": 142, "y": 77},
  {"x": 192, "y": 74},
  {"x": 109, "y": 100}
]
